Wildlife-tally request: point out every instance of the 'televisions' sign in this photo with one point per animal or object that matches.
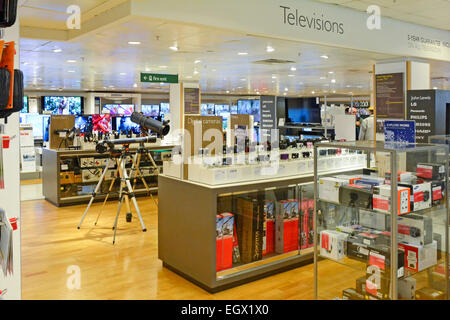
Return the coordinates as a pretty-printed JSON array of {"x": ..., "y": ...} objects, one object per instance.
[
  {"x": 154, "y": 77},
  {"x": 317, "y": 22}
]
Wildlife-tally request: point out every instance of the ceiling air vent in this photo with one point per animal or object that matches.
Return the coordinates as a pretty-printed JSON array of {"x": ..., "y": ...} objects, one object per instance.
[{"x": 273, "y": 61}]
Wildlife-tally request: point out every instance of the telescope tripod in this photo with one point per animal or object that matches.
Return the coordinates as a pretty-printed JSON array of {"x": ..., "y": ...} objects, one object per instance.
[{"x": 127, "y": 195}]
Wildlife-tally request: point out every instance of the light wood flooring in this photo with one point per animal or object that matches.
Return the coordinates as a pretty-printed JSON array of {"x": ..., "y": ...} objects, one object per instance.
[{"x": 130, "y": 269}]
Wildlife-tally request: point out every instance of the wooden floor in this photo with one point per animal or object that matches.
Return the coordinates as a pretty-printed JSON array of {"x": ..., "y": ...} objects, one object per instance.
[{"x": 130, "y": 269}]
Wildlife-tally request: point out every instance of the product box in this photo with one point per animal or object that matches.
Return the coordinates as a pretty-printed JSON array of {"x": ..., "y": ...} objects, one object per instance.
[
  {"x": 332, "y": 244},
  {"x": 402, "y": 176},
  {"x": 382, "y": 199},
  {"x": 377, "y": 272},
  {"x": 224, "y": 241},
  {"x": 369, "y": 181},
  {"x": 373, "y": 220},
  {"x": 357, "y": 250},
  {"x": 407, "y": 288},
  {"x": 415, "y": 229},
  {"x": 355, "y": 196},
  {"x": 329, "y": 188},
  {"x": 420, "y": 195},
  {"x": 352, "y": 294},
  {"x": 431, "y": 171},
  {"x": 306, "y": 223},
  {"x": 250, "y": 224},
  {"x": 429, "y": 294},
  {"x": 286, "y": 226},
  {"x": 418, "y": 257},
  {"x": 269, "y": 235},
  {"x": 437, "y": 192},
  {"x": 361, "y": 285}
]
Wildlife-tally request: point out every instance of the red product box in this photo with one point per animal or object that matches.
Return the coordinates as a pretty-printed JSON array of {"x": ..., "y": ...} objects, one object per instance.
[
  {"x": 224, "y": 241},
  {"x": 306, "y": 224},
  {"x": 286, "y": 226}
]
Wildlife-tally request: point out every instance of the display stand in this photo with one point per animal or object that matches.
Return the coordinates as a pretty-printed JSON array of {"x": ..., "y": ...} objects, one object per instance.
[{"x": 378, "y": 237}]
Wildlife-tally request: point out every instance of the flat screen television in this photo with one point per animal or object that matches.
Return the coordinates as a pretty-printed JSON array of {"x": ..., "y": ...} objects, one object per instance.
[
  {"x": 124, "y": 124},
  {"x": 165, "y": 108},
  {"x": 84, "y": 124},
  {"x": 63, "y": 105},
  {"x": 101, "y": 122},
  {"x": 118, "y": 109},
  {"x": 302, "y": 111},
  {"x": 234, "y": 109},
  {"x": 150, "y": 110},
  {"x": 37, "y": 121},
  {"x": 251, "y": 107},
  {"x": 221, "y": 108},
  {"x": 25, "y": 105}
]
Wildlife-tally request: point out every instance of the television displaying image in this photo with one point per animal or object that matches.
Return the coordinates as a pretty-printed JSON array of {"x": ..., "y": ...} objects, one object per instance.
[
  {"x": 46, "y": 127},
  {"x": 84, "y": 124},
  {"x": 303, "y": 110},
  {"x": 25, "y": 105},
  {"x": 63, "y": 105},
  {"x": 234, "y": 110},
  {"x": 124, "y": 124},
  {"x": 101, "y": 122},
  {"x": 244, "y": 106},
  {"x": 165, "y": 108},
  {"x": 118, "y": 109},
  {"x": 151, "y": 110},
  {"x": 37, "y": 121},
  {"x": 255, "y": 110},
  {"x": 221, "y": 108}
]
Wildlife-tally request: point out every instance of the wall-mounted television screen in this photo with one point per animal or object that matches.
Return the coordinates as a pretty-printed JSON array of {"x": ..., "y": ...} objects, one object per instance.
[
  {"x": 221, "y": 108},
  {"x": 251, "y": 107},
  {"x": 165, "y": 108},
  {"x": 118, "y": 109},
  {"x": 124, "y": 125},
  {"x": 101, "y": 122},
  {"x": 63, "y": 105},
  {"x": 302, "y": 110},
  {"x": 150, "y": 110},
  {"x": 84, "y": 124},
  {"x": 233, "y": 110},
  {"x": 25, "y": 105}
]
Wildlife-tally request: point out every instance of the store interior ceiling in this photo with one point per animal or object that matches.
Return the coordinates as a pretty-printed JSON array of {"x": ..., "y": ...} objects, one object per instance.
[{"x": 110, "y": 57}]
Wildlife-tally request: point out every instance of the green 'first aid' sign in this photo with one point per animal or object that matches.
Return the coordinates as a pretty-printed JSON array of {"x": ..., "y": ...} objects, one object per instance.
[{"x": 154, "y": 77}]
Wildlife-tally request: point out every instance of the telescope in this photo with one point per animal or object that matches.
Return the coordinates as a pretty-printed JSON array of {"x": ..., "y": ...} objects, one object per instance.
[
  {"x": 149, "y": 123},
  {"x": 103, "y": 145}
]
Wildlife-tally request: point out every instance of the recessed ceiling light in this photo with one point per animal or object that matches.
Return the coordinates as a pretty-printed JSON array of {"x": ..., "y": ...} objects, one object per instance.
[
  {"x": 195, "y": 72},
  {"x": 348, "y": 86},
  {"x": 197, "y": 61},
  {"x": 243, "y": 79},
  {"x": 435, "y": 88},
  {"x": 71, "y": 61},
  {"x": 123, "y": 74},
  {"x": 242, "y": 53},
  {"x": 270, "y": 49},
  {"x": 324, "y": 57},
  {"x": 25, "y": 63},
  {"x": 322, "y": 78},
  {"x": 135, "y": 85},
  {"x": 330, "y": 72},
  {"x": 57, "y": 50},
  {"x": 173, "y": 48},
  {"x": 333, "y": 80},
  {"x": 71, "y": 71},
  {"x": 147, "y": 69},
  {"x": 285, "y": 93},
  {"x": 334, "y": 91},
  {"x": 228, "y": 91},
  {"x": 291, "y": 75},
  {"x": 313, "y": 92},
  {"x": 293, "y": 69},
  {"x": 286, "y": 89},
  {"x": 257, "y": 92},
  {"x": 134, "y": 42},
  {"x": 163, "y": 67}
]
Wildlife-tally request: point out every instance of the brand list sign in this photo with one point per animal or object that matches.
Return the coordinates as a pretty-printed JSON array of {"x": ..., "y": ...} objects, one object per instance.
[
  {"x": 268, "y": 115},
  {"x": 421, "y": 108}
]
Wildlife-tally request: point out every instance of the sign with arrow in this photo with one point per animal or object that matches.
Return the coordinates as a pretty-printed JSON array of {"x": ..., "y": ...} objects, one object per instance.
[{"x": 155, "y": 77}]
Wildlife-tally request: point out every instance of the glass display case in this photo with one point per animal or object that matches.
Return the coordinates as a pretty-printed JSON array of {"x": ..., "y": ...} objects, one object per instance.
[{"x": 378, "y": 235}]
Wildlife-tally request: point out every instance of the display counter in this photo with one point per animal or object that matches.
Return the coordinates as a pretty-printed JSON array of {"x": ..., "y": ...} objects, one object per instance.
[
  {"x": 220, "y": 236},
  {"x": 69, "y": 176}
]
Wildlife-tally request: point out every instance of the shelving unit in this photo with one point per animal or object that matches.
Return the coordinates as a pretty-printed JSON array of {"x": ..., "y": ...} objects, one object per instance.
[
  {"x": 383, "y": 244},
  {"x": 66, "y": 181}
]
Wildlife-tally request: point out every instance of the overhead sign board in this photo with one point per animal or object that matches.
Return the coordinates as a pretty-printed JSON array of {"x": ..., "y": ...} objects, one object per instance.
[{"x": 160, "y": 78}]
